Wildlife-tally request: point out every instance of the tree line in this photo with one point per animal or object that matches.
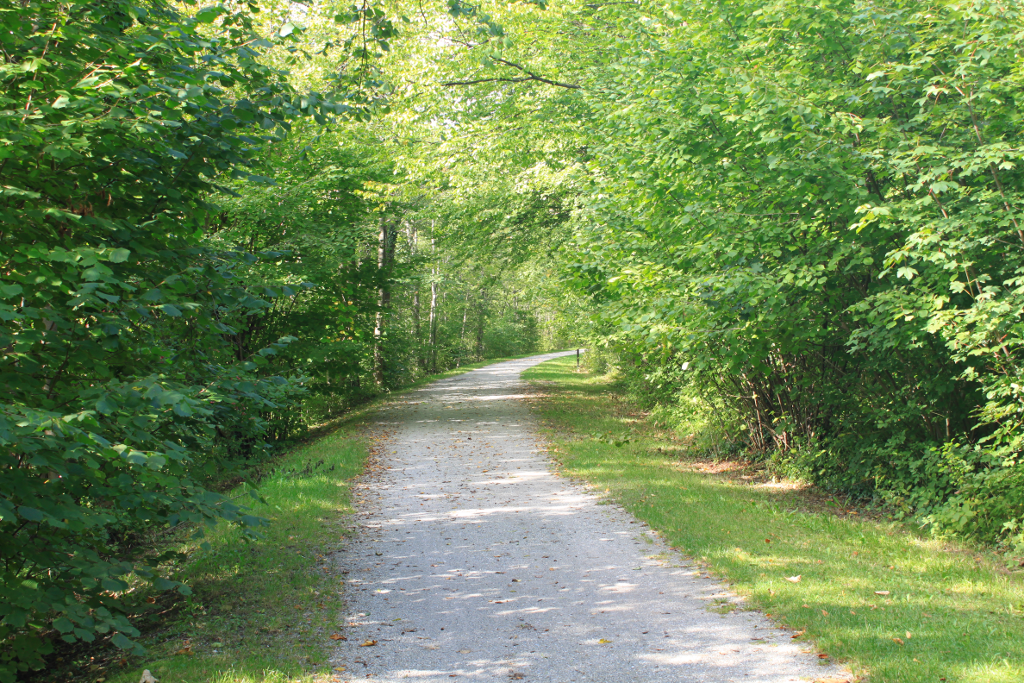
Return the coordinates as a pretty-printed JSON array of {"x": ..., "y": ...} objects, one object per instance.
[
  {"x": 207, "y": 249},
  {"x": 794, "y": 229}
]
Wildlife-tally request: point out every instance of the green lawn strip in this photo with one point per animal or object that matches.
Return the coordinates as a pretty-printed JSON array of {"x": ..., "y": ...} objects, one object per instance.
[
  {"x": 946, "y": 612},
  {"x": 264, "y": 611}
]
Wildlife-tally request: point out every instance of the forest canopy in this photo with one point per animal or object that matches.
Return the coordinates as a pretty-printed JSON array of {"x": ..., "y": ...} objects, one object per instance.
[{"x": 796, "y": 230}]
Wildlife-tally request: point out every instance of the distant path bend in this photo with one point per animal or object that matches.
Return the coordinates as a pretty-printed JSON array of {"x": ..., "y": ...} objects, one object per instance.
[{"x": 475, "y": 562}]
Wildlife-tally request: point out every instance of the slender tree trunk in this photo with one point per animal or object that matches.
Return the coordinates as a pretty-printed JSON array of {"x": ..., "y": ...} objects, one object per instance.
[
  {"x": 480, "y": 324},
  {"x": 465, "y": 314},
  {"x": 433, "y": 324},
  {"x": 433, "y": 306},
  {"x": 420, "y": 362},
  {"x": 416, "y": 323},
  {"x": 385, "y": 255},
  {"x": 462, "y": 333}
]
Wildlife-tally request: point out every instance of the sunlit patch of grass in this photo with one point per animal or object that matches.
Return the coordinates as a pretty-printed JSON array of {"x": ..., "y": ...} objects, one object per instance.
[
  {"x": 263, "y": 612},
  {"x": 898, "y": 606}
]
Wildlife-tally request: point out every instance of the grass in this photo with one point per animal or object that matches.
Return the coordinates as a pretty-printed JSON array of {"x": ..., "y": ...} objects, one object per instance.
[
  {"x": 264, "y": 611},
  {"x": 896, "y": 606}
]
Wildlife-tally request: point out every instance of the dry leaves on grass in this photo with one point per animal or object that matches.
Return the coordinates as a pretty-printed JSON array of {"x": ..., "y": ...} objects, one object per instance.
[{"x": 794, "y": 579}]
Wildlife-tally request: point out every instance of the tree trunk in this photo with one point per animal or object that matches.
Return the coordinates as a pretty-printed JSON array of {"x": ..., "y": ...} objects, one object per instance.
[
  {"x": 480, "y": 324},
  {"x": 433, "y": 308},
  {"x": 420, "y": 362},
  {"x": 385, "y": 255},
  {"x": 465, "y": 314}
]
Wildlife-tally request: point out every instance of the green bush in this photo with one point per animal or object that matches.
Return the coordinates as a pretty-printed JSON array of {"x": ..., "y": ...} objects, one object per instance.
[
  {"x": 819, "y": 210},
  {"x": 125, "y": 392}
]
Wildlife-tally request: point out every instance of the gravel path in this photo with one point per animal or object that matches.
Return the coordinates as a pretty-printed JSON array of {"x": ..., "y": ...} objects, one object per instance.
[{"x": 475, "y": 562}]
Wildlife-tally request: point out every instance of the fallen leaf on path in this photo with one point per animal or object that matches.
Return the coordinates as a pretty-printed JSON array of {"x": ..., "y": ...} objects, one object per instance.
[
  {"x": 604, "y": 641},
  {"x": 368, "y": 643},
  {"x": 339, "y": 668},
  {"x": 798, "y": 633},
  {"x": 464, "y": 652},
  {"x": 338, "y": 636},
  {"x": 822, "y": 655},
  {"x": 794, "y": 579}
]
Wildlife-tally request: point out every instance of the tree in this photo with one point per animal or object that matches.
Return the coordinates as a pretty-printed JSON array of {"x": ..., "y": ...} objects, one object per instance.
[{"x": 123, "y": 395}]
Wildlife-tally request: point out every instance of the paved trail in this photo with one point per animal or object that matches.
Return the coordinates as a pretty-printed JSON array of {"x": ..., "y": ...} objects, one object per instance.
[{"x": 476, "y": 563}]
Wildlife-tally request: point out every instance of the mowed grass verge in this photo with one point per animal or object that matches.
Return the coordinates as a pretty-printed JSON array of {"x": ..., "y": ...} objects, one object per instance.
[
  {"x": 896, "y": 606},
  {"x": 263, "y": 612}
]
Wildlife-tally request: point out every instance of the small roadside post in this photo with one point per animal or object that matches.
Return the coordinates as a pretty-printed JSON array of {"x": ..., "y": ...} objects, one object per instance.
[{"x": 577, "y": 360}]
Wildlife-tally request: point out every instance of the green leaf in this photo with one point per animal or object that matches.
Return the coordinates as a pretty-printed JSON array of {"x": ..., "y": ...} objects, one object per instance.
[
  {"x": 122, "y": 641},
  {"x": 31, "y": 514},
  {"x": 119, "y": 255},
  {"x": 106, "y": 405}
]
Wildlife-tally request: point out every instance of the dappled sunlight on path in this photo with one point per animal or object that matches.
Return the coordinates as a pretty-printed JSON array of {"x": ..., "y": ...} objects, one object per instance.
[{"x": 476, "y": 562}]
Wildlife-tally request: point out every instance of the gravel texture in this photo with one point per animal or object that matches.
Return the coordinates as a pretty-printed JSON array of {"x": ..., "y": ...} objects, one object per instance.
[{"x": 474, "y": 561}]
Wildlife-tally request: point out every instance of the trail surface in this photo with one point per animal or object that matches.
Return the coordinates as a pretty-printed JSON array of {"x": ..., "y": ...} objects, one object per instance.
[{"x": 475, "y": 562}]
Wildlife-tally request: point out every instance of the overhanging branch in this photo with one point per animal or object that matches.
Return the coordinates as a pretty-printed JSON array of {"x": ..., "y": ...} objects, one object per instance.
[{"x": 530, "y": 76}]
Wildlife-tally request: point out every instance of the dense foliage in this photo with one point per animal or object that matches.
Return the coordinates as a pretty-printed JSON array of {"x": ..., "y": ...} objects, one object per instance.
[
  {"x": 129, "y": 382},
  {"x": 811, "y": 215},
  {"x": 796, "y": 228},
  {"x": 198, "y": 260}
]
